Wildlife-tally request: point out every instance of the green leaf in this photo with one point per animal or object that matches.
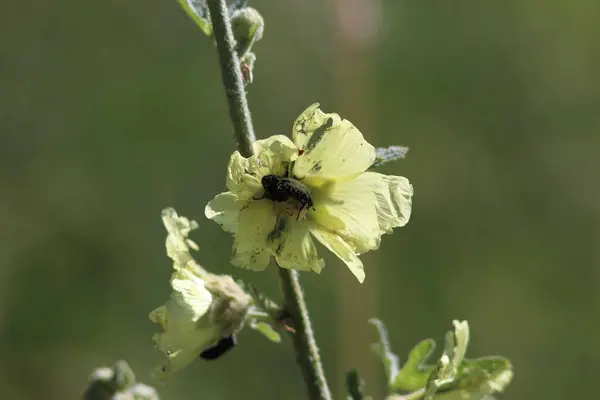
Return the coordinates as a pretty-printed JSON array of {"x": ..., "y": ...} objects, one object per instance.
[
  {"x": 354, "y": 385},
  {"x": 479, "y": 378},
  {"x": 414, "y": 373},
  {"x": 447, "y": 367},
  {"x": 266, "y": 329},
  {"x": 457, "y": 378},
  {"x": 384, "y": 155},
  {"x": 384, "y": 351},
  {"x": 198, "y": 12}
]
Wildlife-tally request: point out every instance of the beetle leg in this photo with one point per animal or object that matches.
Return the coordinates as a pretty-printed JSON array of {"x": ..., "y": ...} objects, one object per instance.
[{"x": 302, "y": 207}]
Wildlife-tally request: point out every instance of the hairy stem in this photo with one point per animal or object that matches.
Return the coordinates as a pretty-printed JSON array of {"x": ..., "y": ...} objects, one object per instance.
[
  {"x": 307, "y": 353},
  {"x": 231, "y": 75}
]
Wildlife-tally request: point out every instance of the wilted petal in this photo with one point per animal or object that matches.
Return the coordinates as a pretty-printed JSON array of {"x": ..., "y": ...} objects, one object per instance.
[
  {"x": 296, "y": 249},
  {"x": 185, "y": 322},
  {"x": 332, "y": 148},
  {"x": 224, "y": 209},
  {"x": 394, "y": 200},
  {"x": 341, "y": 249},
  {"x": 252, "y": 247}
]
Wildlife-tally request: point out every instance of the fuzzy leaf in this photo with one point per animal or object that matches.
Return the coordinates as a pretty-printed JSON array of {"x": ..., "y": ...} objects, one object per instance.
[
  {"x": 387, "y": 154},
  {"x": 354, "y": 385},
  {"x": 447, "y": 367},
  {"x": 477, "y": 379},
  {"x": 198, "y": 12},
  {"x": 414, "y": 372},
  {"x": 384, "y": 350}
]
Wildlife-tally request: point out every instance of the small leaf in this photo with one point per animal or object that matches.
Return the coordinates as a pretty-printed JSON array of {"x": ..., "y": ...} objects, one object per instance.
[
  {"x": 354, "y": 385},
  {"x": 198, "y": 12},
  {"x": 414, "y": 373},
  {"x": 384, "y": 155},
  {"x": 447, "y": 368},
  {"x": 267, "y": 330},
  {"x": 384, "y": 351},
  {"x": 481, "y": 377}
]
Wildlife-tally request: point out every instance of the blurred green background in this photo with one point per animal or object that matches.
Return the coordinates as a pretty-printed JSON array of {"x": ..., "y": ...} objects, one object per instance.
[{"x": 111, "y": 111}]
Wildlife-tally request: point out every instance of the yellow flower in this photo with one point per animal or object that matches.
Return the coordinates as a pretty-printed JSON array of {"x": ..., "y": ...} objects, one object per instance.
[
  {"x": 203, "y": 307},
  {"x": 324, "y": 192}
]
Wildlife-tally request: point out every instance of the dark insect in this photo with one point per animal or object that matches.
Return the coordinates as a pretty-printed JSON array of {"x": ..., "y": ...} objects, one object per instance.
[
  {"x": 220, "y": 349},
  {"x": 284, "y": 189}
]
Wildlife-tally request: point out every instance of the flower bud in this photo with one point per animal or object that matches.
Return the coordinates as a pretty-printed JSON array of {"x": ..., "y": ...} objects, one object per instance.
[{"x": 248, "y": 26}]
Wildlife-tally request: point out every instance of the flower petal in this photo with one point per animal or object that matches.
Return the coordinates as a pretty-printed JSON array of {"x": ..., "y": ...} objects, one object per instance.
[
  {"x": 330, "y": 151},
  {"x": 272, "y": 156},
  {"x": 184, "y": 318},
  {"x": 296, "y": 249},
  {"x": 182, "y": 347},
  {"x": 191, "y": 299},
  {"x": 362, "y": 209},
  {"x": 340, "y": 248},
  {"x": 394, "y": 200},
  {"x": 348, "y": 208},
  {"x": 278, "y": 144},
  {"x": 224, "y": 209},
  {"x": 238, "y": 180},
  {"x": 256, "y": 222}
]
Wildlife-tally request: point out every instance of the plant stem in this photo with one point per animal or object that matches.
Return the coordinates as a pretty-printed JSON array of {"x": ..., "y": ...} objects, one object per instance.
[
  {"x": 307, "y": 353},
  {"x": 231, "y": 75}
]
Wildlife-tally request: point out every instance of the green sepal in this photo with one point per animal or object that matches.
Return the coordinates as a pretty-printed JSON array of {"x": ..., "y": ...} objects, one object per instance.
[
  {"x": 384, "y": 155},
  {"x": 266, "y": 329},
  {"x": 383, "y": 349}
]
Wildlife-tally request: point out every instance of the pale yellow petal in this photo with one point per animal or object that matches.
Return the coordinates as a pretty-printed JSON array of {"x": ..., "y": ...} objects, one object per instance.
[
  {"x": 307, "y": 123},
  {"x": 296, "y": 249},
  {"x": 331, "y": 147},
  {"x": 239, "y": 180},
  {"x": 224, "y": 209},
  {"x": 185, "y": 320},
  {"x": 362, "y": 209},
  {"x": 348, "y": 208},
  {"x": 182, "y": 347},
  {"x": 341, "y": 249},
  {"x": 191, "y": 299},
  {"x": 252, "y": 246},
  {"x": 394, "y": 200},
  {"x": 272, "y": 156}
]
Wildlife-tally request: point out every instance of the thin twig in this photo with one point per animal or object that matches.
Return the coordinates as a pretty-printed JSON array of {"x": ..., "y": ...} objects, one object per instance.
[{"x": 307, "y": 353}]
